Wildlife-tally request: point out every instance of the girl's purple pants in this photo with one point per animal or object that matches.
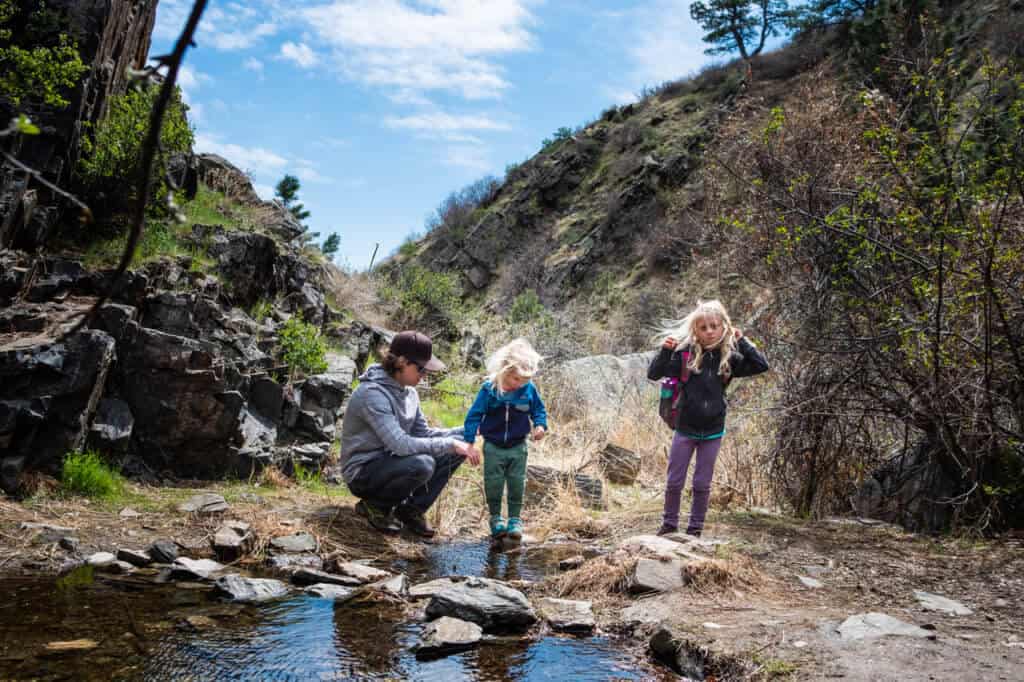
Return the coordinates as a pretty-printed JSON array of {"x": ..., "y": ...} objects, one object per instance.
[{"x": 678, "y": 463}]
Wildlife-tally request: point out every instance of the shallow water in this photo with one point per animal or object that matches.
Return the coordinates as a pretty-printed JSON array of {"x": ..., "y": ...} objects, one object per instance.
[{"x": 142, "y": 632}]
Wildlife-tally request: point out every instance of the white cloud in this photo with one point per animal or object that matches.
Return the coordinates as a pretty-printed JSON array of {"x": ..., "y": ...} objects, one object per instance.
[
  {"x": 238, "y": 39},
  {"x": 266, "y": 192},
  {"x": 474, "y": 158},
  {"x": 190, "y": 80},
  {"x": 442, "y": 123},
  {"x": 447, "y": 45},
  {"x": 251, "y": 159},
  {"x": 236, "y": 29},
  {"x": 300, "y": 53},
  {"x": 254, "y": 65},
  {"x": 666, "y": 44},
  {"x": 307, "y": 172}
]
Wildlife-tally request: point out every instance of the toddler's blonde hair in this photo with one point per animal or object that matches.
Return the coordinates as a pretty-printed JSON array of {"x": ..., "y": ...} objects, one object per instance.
[
  {"x": 516, "y": 356},
  {"x": 682, "y": 331}
]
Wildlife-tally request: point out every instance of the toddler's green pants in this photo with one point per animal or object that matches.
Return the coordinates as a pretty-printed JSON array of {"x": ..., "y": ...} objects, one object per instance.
[{"x": 504, "y": 466}]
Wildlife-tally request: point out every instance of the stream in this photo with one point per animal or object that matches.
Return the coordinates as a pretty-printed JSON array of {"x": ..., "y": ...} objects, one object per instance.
[{"x": 145, "y": 631}]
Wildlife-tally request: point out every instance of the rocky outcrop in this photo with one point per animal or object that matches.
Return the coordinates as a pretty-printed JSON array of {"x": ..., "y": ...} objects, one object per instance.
[
  {"x": 112, "y": 36},
  {"x": 601, "y": 384}
]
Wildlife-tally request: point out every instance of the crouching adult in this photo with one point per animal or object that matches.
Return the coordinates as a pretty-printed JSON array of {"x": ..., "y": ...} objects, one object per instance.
[{"x": 391, "y": 458}]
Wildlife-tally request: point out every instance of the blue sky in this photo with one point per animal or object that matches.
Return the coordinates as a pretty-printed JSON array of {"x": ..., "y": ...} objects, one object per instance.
[{"x": 383, "y": 107}]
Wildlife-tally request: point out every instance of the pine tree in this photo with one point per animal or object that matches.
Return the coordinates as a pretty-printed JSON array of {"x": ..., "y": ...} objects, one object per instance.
[
  {"x": 287, "y": 191},
  {"x": 736, "y": 25},
  {"x": 330, "y": 246}
]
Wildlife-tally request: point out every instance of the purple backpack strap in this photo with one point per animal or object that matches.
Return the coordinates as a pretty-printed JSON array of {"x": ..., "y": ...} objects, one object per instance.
[{"x": 685, "y": 373}]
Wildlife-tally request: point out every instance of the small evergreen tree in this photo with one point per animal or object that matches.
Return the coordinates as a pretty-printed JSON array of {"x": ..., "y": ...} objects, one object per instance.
[
  {"x": 736, "y": 25},
  {"x": 331, "y": 245},
  {"x": 287, "y": 191}
]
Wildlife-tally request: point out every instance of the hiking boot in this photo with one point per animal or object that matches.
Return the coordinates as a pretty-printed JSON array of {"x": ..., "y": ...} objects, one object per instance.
[
  {"x": 414, "y": 521},
  {"x": 666, "y": 529},
  {"x": 695, "y": 532},
  {"x": 515, "y": 528},
  {"x": 379, "y": 518},
  {"x": 498, "y": 529}
]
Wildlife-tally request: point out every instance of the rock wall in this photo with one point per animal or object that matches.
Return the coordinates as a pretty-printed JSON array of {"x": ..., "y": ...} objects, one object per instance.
[{"x": 112, "y": 36}]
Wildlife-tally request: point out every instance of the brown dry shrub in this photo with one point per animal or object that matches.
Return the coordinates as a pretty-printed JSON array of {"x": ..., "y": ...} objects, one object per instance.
[
  {"x": 738, "y": 571},
  {"x": 356, "y": 292},
  {"x": 601, "y": 576},
  {"x": 272, "y": 477}
]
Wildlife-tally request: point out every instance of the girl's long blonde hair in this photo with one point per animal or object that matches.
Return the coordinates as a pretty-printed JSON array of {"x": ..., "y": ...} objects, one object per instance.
[
  {"x": 518, "y": 356},
  {"x": 682, "y": 331}
]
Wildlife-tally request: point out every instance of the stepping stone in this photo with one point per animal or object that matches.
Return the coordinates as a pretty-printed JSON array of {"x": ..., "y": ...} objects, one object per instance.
[
  {"x": 204, "y": 503},
  {"x": 100, "y": 559},
  {"x": 296, "y": 543},
  {"x": 935, "y": 602},
  {"x": 660, "y": 547},
  {"x": 289, "y": 562},
  {"x": 489, "y": 604},
  {"x": 184, "y": 568},
  {"x": 396, "y": 587},
  {"x": 447, "y": 635},
  {"x": 652, "y": 575},
  {"x": 866, "y": 626},
  {"x": 233, "y": 540},
  {"x": 429, "y": 589},
  {"x": 338, "y": 593},
  {"x": 568, "y": 615},
  {"x": 310, "y": 576},
  {"x": 250, "y": 590},
  {"x": 812, "y": 583},
  {"x": 135, "y": 557},
  {"x": 364, "y": 574},
  {"x": 164, "y": 551}
]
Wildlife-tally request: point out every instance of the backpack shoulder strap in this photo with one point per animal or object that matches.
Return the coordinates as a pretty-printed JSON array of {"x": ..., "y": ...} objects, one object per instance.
[{"x": 684, "y": 374}]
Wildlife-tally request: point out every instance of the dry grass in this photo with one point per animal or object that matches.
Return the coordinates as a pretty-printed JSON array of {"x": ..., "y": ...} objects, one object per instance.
[
  {"x": 596, "y": 580},
  {"x": 736, "y": 572},
  {"x": 356, "y": 292}
]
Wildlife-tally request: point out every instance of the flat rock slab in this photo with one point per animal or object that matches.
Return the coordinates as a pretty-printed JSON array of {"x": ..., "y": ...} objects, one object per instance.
[
  {"x": 310, "y": 576},
  {"x": 397, "y": 586},
  {"x": 812, "y": 583},
  {"x": 135, "y": 557},
  {"x": 429, "y": 589},
  {"x": 338, "y": 593},
  {"x": 184, "y": 568},
  {"x": 296, "y": 543},
  {"x": 100, "y": 559},
  {"x": 250, "y": 590},
  {"x": 935, "y": 602},
  {"x": 653, "y": 575},
  {"x": 874, "y": 625},
  {"x": 490, "y": 605},
  {"x": 364, "y": 574},
  {"x": 660, "y": 547},
  {"x": 204, "y": 503},
  {"x": 448, "y": 635},
  {"x": 289, "y": 562},
  {"x": 568, "y": 615}
]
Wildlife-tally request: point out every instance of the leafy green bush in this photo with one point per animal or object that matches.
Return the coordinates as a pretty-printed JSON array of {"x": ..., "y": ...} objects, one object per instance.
[
  {"x": 38, "y": 62},
  {"x": 303, "y": 348},
  {"x": 85, "y": 473},
  {"x": 261, "y": 310},
  {"x": 525, "y": 307},
  {"x": 426, "y": 299},
  {"x": 563, "y": 133},
  {"x": 111, "y": 157}
]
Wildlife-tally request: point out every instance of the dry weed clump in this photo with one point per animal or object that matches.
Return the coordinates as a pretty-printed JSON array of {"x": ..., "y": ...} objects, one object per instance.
[
  {"x": 357, "y": 292},
  {"x": 272, "y": 477},
  {"x": 600, "y": 577},
  {"x": 734, "y": 572}
]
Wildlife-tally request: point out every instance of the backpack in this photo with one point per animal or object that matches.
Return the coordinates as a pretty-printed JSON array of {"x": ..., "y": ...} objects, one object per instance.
[{"x": 672, "y": 394}]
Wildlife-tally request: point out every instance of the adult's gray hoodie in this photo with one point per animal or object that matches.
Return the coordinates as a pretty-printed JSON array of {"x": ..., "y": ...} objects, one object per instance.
[{"x": 384, "y": 419}]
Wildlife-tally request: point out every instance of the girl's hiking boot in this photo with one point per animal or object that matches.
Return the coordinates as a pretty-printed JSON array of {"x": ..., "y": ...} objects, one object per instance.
[
  {"x": 414, "y": 521},
  {"x": 498, "y": 529},
  {"x": 695, "y": 532},
  {"x": 666, "y": 529},
  {"x": 381, "y": 519},
  {"x": 515, "y": 528}
]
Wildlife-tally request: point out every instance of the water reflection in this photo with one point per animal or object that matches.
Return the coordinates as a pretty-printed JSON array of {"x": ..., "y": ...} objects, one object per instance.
[{"x": 143, "y": 631}]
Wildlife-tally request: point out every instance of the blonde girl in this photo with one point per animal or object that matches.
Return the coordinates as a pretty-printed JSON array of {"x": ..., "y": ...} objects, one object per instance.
[
  {"x": 507, "y": 410},
  {"x": 715, "y": 352}
]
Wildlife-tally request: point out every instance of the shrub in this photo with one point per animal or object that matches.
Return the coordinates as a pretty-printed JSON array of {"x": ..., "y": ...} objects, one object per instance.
[
  {"x": 455, "y": 214},
  {"x": 427, "y": 299},
  {"x": 85, "y": 473},
  {"x": 302, "y": 347},
  {"x": 110, "y": 159},
  {"x": 261, "y": 310},
  {"x": 563, "y": 133},
  {"x": 38, "y": 61},
  {"x": 526, "y": 307}
]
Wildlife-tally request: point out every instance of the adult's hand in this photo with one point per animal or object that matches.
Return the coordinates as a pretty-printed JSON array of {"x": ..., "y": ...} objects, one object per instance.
[{"x": 467, "y": 450}]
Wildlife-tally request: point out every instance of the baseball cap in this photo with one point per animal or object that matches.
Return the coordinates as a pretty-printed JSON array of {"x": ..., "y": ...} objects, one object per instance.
[{"x": 416, "y": 347}]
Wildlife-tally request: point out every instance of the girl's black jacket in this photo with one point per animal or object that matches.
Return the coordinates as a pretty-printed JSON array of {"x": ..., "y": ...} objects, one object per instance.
[{"x": 702, "y": 409}]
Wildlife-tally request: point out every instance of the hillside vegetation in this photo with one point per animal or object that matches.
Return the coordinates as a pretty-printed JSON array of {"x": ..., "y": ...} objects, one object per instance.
[{"x": 855, "y": 198}]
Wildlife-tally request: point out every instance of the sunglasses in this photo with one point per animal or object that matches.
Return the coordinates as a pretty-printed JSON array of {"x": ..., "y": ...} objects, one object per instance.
[{"x": 420, "y": 368}]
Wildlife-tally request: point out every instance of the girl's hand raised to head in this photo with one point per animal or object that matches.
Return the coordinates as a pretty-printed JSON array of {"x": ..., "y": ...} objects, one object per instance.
[
  {"x": 739, "y": 334},
  {"x": 669, "y": 344}
]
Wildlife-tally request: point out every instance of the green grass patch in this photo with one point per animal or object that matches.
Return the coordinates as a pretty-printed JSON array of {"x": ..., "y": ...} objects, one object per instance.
[
  {"x": 311, "y": 480},
  {"x": 86, "y": 474},
  {"x": 448, "y": 401}
]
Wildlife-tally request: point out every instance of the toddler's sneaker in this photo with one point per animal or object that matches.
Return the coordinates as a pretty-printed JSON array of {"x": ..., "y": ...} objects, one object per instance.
[
  {"x": 498, "y": 529},
  {"x": 515, "y": 528}
]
